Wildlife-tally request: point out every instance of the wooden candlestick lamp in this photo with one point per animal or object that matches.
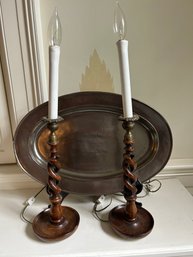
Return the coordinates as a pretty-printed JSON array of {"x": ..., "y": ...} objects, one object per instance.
[
  {"x": 57, "y": 222},
  {"x": 130, "y": 220}
]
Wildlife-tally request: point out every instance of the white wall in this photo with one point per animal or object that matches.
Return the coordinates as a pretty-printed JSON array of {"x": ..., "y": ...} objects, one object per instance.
[{"x": 160, "y": 34}]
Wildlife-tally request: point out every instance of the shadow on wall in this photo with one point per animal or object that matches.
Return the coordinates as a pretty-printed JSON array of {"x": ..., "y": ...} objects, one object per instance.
[{"x": 97, "y": 76}]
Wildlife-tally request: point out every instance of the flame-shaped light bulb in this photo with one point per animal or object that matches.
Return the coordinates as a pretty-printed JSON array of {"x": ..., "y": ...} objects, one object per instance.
[
  {"x": 119, "y": 25},
  {"x": 55, "y": 30}
]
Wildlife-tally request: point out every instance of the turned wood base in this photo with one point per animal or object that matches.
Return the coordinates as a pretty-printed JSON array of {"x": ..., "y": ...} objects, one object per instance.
[
  {"x": 136, "y": 228},
  {"x": 48, "y": 231}
]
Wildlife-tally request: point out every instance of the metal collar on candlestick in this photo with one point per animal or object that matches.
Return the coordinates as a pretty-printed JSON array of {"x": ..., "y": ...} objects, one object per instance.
[
  {"x": 130, "y": 119},
  {"x": 130, "y": 220},
  {"x": 57, "y": 222},
  {"x": 46, "y": 119}
]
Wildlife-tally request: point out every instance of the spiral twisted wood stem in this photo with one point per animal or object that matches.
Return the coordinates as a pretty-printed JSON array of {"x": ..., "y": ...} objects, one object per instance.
[
  {"x": 53, "y": 188},
  {"x": 57, "y": 222},
  {"x": 129, "y": 165}
]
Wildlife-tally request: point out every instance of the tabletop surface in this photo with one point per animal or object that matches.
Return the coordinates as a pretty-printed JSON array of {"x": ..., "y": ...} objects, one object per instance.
[{"x": 172, "y": 235}]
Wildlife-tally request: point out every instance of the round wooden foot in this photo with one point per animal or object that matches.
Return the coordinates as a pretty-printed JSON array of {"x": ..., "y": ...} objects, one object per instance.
[
  {"x": 139, "y": 227},
  {"x": 47, "y": 231}
]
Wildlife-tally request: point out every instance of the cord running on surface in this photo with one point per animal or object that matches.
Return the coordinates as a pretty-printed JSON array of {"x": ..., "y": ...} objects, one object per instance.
[
  {"x": 150, "y": 186},
  {"x": 28, "y": 203},
  {"x": 96, "y": 211}
]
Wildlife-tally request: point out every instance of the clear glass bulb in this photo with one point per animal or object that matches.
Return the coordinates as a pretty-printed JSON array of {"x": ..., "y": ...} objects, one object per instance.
[
  {"x": 119, "y": 26},
  {"x": 55, "y": 30}
]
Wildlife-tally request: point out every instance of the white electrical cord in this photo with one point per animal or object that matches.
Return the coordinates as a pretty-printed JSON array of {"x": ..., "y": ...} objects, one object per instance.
[
  {"x": 150, "y": 186},
  {"x": 28, "y": 203}
]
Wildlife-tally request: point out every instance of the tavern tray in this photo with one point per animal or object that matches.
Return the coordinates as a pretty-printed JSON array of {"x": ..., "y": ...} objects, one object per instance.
[{"x": 91, "y": 145}]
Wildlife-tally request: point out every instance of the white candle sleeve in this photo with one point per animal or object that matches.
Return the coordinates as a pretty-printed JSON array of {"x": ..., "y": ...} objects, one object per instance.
[
  {"x": 122, "y": 46},
  {"x": 54, "y": 57}
]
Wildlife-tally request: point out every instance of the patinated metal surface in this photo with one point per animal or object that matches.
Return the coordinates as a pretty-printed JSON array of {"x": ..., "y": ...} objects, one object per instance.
[{"x": 91, "y": 142}]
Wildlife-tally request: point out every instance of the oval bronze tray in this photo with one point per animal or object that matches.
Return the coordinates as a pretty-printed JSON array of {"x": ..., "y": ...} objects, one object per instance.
[{"x": 91, "y": 142}]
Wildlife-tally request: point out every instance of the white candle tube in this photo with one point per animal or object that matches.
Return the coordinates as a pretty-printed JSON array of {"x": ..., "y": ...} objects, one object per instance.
[
  {"x": 122, "y": 46},
  {"x": 54, "y": 57}
]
